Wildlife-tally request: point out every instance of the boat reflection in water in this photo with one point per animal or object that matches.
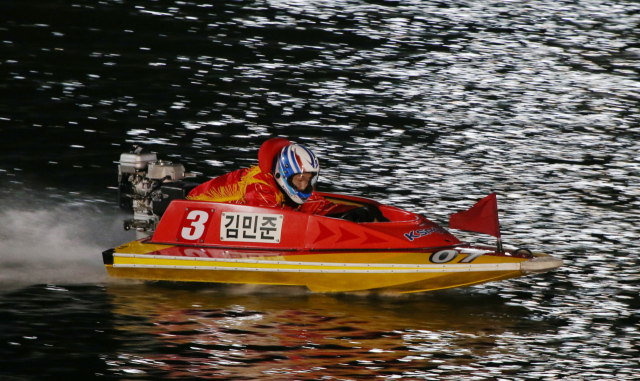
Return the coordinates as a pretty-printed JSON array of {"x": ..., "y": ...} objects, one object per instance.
[{"x": 270, "y": 332}]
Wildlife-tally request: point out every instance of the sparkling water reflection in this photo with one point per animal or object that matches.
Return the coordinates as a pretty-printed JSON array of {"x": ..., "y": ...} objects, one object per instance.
[{"x": 273, "y": 333}]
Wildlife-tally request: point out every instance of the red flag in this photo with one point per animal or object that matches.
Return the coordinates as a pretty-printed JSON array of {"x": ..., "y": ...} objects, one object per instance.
[{"x": 481, "y": 218}]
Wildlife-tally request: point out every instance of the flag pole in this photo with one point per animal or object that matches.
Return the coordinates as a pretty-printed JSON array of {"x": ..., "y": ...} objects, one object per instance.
[{"x": 499, "y": 247}]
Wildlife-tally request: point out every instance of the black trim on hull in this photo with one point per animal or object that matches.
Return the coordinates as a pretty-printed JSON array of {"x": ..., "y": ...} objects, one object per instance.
[{"x": 107, "y": 256}]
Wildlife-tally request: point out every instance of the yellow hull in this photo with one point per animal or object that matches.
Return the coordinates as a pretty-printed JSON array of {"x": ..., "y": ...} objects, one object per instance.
[{"x": 394, "y": 271}]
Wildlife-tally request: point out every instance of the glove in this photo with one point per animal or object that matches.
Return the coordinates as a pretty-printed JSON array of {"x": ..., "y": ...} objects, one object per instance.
[{"x": 367, "y": 213}]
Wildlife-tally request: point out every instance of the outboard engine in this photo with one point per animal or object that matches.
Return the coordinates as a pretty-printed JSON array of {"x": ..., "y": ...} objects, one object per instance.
[{"x": 146, "y": 186}]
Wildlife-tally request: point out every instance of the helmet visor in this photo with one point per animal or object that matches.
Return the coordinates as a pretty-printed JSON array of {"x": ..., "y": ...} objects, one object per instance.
[{"x": 303, "y": 182}]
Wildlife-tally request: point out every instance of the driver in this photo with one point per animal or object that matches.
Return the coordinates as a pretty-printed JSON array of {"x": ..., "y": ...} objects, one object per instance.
[{"x": 285, "y": 177}]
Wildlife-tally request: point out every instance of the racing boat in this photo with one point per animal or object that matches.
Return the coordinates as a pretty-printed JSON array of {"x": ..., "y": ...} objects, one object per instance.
[{"x": 201, "y": 241}]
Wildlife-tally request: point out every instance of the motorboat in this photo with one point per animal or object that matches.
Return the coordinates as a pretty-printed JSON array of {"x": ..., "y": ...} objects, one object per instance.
[{"x": 199, "y": 241}]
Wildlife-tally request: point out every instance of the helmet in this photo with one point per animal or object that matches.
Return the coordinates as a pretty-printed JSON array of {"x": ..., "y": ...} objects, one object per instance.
[{"x": 292, "y": 160}]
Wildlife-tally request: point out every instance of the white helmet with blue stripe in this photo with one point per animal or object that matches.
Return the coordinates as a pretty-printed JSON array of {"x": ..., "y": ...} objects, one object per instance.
[{"x": 292, "y": 160}]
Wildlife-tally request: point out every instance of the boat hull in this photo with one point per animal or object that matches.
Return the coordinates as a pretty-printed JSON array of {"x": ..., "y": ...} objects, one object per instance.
[
  {"x": 197, "y": 241},
  {"x": 401, "y": 271}
]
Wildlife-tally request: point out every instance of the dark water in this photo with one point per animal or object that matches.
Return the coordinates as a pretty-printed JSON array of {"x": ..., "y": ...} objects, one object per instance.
[{"x": 424, "y": 105}]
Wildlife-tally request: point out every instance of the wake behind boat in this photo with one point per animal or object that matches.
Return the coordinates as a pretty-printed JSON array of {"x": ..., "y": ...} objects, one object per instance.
[{"x": 202, "y": 241}]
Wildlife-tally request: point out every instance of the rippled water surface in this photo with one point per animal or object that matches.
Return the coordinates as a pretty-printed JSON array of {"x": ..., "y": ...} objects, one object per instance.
[{"x": 424, "y": 105}]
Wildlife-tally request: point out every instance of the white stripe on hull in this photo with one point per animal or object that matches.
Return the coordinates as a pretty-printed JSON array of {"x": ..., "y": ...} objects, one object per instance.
[
  {"x": 356, "y": 268},
  {"x": 501, "y": 267}
]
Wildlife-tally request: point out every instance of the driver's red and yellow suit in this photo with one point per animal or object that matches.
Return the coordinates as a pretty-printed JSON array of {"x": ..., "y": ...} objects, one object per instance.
[{"x": 250, "y": 186}]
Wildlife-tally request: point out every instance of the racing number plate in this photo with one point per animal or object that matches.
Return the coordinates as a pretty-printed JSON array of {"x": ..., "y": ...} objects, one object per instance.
[
  {"x": 251, "y": 227},
  {"x": 194, "y": 225}
]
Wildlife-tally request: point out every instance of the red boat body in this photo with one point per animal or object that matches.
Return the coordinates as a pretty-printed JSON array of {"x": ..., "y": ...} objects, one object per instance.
[
  {"x": 228, "y": 243},
  {"x": 299, "y": 231}
]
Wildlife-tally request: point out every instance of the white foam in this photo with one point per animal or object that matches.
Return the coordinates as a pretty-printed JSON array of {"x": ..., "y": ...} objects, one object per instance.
[{"x": 58, "y": 244}]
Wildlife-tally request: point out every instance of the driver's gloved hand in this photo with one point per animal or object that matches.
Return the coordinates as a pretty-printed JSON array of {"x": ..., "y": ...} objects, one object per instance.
[
  {"x": 367, "y": 213},
  {"x": 361, "y": 214}
]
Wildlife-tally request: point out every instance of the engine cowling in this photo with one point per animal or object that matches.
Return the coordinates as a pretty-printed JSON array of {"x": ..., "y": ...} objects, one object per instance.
[{"x": 146, "y": 185}]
